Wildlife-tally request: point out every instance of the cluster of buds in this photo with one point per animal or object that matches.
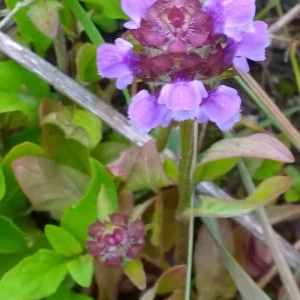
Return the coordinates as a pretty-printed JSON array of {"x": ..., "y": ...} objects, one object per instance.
[
  {"x": 117, "y": 241},
  {"x": 182, "y": 49}
]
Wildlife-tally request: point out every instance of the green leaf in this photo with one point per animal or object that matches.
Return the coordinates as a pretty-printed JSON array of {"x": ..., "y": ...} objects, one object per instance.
[
  {"x": 171, "y": 170},
  {"x": 246, "y": 286},
  {"x": 214, "y": 169},
  {"x": 77, "y": 124},
  {"x": 44, "y": 15},
  {"x": 28, "y": 30},
  {"x": 85, "y": 211},
  {"x": 14, "y": 201},
  {"x": 11, "y": 237},
  {"x": 11, "y": 102},
  {"x": 35, "y": 277},
  {"x": 64, "y": 293},
  {"x": 14, "y": 79},
  {"x": 259, "y": 145},
  {"x": 81, "y": 269},
  {"x": 265, "y": 193},
  {"x": 62, "y": 241},
  {"x": 105, "y": 206},
  {"x": 135, "y": 271},
  {"x": 2, "y": 184},
  {"x": 111, "y": 8},
  {"x": 49, "y": 186},
  {"x": 86, "y": 63}
]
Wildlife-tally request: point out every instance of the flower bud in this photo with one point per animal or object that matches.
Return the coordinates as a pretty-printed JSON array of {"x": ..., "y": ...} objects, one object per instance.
[{"x": 116, "y": 241}]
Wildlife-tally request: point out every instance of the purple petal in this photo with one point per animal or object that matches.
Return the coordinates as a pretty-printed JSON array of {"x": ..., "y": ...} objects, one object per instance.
[
  {"x": 231, "y": 17},
  {"x": 224, "y": 126},
  {"x": 253, "y": 44},
  {"x": 144, "y": 111},
  {"x": 221, "y": 104},
  {"x": 241, "y": 63},
  {"x": 182, "y": 115},
  {"x": 118, "y": 61},
  {"x": 136, "y": 10},
  {"x": 182, "y": 95}
]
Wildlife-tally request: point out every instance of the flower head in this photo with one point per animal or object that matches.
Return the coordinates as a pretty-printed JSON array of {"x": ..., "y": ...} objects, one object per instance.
[
  {"x": 184, "y": 49},
  {"x": 116, "y": 241}
]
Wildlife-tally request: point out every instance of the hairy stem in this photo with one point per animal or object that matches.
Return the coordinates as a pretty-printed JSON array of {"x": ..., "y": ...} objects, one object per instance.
[
  {"x": 283, "y": 268},
  {"x": 188, "y": 148}
]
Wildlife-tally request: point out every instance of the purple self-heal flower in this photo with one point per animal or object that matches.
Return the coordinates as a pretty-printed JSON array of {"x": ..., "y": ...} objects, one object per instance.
[
  {"x": 146, "y": 113},
  {"x": 252, "y": 46},
  {"x": 222, "y": 106},
  {"x": 136, "y": 10},
  {"x": 231, "y": 17},
  {"x": 118, "y": 61},
  {"x": 183, "y": 98}
]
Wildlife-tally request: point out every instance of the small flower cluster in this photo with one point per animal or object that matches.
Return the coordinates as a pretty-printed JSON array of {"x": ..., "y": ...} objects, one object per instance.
[
  {"x": 182, "y": 49},
  {"x": 116, "y": 241}
]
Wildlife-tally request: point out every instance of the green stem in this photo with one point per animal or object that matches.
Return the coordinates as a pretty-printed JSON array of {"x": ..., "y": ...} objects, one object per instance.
[
  {"x": 282, "y": 266},
  {"x": 188, "y": 134},
  {"x": 188, "y": 148},
  {"x": 162, "y": 137},
  {"x": 60, "y": 48},
  {"x": 89, "y": 27}
]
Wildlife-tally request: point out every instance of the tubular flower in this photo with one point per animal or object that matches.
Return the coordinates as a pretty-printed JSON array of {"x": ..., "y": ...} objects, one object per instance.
[
  {"x": 184, "y": 49},
  {"x": 116, "y": 241}
]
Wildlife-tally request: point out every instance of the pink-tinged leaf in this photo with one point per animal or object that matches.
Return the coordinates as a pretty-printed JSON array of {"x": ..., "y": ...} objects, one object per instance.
[
  {"x": 124, "y": 164},
  {"x": 259, "y": 145},
  {"x": 223, "y": 155},
  {"x": 44, "y": 15},
  {"x": 147, "y": 171},
  {"x": 135, "y": 271},
  {"x": 170, "y": 281},
  {"x": 49, "y": 186}
]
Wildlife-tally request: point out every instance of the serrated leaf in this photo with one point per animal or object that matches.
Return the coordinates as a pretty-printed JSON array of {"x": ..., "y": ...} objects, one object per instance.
[
  {"x": 135, "y": 271},
  {"x": 35, "y": 277},
  {"x": 62, "y": 241},
  {"x": 44, "y": 15},
  {"x": 49, "y": 186},
  {"x": 265, "y": 193},
  {"x": 85, "y": 211},
  {"x": 11, "y": 238},
  {"x": 81, "y": 269}
]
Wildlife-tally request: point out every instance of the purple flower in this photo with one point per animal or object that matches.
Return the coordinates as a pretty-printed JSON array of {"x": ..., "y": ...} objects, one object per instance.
[
  {"x": 252, "y": 46},
  {"x": 118, "y": 61},
  {"x": 222, "y": 106},
  {"x": 231, "y": 17},
  {"x": 116, "y": 241},
  {"x": 146, "y": 113},
  {"x": 136, "y": 10},
  {"x": 183, "y": 98}
]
